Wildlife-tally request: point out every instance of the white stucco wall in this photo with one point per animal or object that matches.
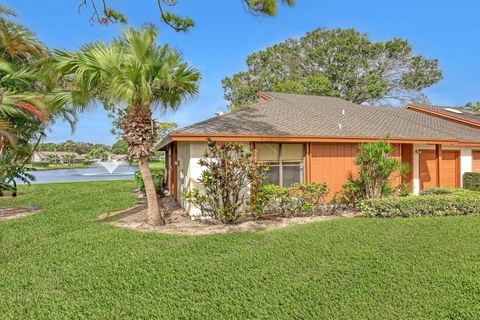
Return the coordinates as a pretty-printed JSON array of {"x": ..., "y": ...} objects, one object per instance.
[
  {"x": 189, "y": 171},
  {"x": 465, "y": 162}
]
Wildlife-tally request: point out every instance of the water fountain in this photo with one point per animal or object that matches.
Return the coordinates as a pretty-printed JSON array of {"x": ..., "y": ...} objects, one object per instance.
[
  {"x": 110, "y": 169},
  {"x": 112, "y": 165},
  {"x": 101, "y": 170}
]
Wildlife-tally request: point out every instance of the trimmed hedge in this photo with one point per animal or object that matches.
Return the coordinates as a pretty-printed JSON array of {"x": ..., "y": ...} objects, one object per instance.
[
  {"x": 471, "y": 181},
  {"x": 455, "y": 204},
  {"x": 439, "y": 191}
]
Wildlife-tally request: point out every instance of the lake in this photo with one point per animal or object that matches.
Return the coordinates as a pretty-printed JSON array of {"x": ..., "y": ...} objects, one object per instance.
[{"x": 95, "y": 173}]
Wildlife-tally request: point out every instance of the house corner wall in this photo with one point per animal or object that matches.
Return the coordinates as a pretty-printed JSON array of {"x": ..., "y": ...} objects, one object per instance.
[{"x": 189, "y": 171}]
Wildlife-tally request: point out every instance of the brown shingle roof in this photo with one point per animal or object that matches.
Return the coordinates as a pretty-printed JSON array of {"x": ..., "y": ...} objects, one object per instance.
[
  {"x": 456, "y": 112},
  {"x": 303, "y": 115}
]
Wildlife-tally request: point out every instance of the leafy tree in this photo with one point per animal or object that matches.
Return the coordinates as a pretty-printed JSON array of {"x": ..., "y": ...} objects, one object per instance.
[
  {"x": 164, "y": 128},
  {"x": 71, "y": 146},
  {"x": 341, "y": 63},
  {"x": 131, "y": 76},
  {"x": 98, "y": 153},
  {"x": 69, "y": 158},
  {"x": 473, "y": 106},
  {"x": 47, "y": 146},
  {"x": 104, "y": 13},
  {"x": 120, "y": 147}
]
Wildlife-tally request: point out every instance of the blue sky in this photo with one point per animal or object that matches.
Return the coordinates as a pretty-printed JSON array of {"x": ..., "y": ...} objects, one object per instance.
[{"x": 224, "y": 35}]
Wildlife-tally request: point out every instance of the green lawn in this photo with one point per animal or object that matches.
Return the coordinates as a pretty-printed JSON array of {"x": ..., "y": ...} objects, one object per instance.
[
  {"x": 62, "y": 263},
  {"x": 153, "y": 164}
]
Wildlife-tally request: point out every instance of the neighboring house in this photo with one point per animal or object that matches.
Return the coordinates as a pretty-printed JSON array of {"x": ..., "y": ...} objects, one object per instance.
[
  {"x": 60, "y": 156},
  {"x": 116, "y": 157},
  {"x": 314, "y": 139}
]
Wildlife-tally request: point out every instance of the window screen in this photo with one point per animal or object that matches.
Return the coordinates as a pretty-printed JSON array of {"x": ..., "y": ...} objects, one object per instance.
[
  {"x": 285, "y": 162},
  {"x": 291, "y": 173},
  {"x": 267, "y": 151}
]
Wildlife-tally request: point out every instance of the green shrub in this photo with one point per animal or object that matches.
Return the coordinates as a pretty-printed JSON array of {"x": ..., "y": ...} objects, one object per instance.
[
  {"x": 310, "y": 197},
  {"x": 471, "y": 181},
  {"x": 352, "y": 192},
  {"x": 453, "y": 204},
  {"x": 293, "y": 200},
  {"x": 42, "y": 164},
  {"x": 377, "y": 172},
  {"x": 158, "y": 177},
  {"x": 264, "y": 199},
  {"x": 440, "y": 191}
]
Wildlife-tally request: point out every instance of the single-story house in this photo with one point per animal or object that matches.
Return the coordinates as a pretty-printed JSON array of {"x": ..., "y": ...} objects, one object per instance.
[
  {"x": 116, "y": 157},
  {"x": 44, "y": 156},
  {"x": 314, "y": 139}
]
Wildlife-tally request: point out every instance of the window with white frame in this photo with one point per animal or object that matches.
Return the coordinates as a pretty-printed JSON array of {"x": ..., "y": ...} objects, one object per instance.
[{"x": 285, "y": 161}]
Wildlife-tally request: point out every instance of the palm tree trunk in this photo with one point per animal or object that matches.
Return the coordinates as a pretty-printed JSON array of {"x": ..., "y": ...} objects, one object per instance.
[
  {"x": 139, "y": 131},
  {"x": 154, "y": 216}
]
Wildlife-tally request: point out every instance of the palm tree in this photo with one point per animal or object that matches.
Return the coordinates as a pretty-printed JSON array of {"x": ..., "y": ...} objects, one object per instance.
[
  {"x": 32, "y": 95},
  {"x": 132, "y": 76},
  {"x": 18, "y": 43}
]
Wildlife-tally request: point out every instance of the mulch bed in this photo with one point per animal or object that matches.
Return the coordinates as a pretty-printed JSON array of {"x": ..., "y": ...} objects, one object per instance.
[
  {"x": 8, "y": 213},
  {"x": 179, "y": 222}
]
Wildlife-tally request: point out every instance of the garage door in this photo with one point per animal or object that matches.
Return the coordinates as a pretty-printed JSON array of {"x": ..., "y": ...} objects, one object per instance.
[
  {"x": 449, "y": 169},
  {"x": 476, "y": 161}
]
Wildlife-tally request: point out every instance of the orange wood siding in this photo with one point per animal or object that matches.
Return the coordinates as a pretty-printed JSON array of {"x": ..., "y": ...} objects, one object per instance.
[
  {"x": 428, "y": 169},
  {"x": 450, "y": 169},
  {"x": 407, "y": 157},
  {"x": 476, "y": 161},
  {"x": 397, "y": 154},
  {"x": 334, "y": 162}
]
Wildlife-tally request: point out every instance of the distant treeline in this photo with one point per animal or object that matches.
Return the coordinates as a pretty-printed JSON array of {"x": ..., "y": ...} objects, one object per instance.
[{"x": 119, "y": 147}]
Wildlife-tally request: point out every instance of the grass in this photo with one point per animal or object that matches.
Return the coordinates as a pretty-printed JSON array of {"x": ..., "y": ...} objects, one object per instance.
[
  {"x": 62, "y": 263},
  {"x": 153, "y": 164}
]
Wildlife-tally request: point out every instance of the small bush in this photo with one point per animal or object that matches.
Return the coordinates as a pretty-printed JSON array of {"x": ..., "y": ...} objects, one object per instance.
[
  {"x": 471, "y": 181},
  {"x": 352, "y": 192},
  {"x": 158, "y": 177},
  {"x": 453, "y": 204},
  {"x": 293, "y": 200},
  {"x": 42, "y": 164},
  {"x": 264, "y": 199},
  {"x": 377, "y": 173},
  {"x": 311, "y": 197}
]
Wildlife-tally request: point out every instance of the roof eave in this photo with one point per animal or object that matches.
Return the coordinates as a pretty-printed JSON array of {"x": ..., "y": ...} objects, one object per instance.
[
  {"x": 162, "y": 145},
  {"x": 290, "y": 138},
  {"x": 442, "y": 115}
]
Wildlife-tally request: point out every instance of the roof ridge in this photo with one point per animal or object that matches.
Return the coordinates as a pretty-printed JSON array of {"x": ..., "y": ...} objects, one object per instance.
[{"x": 225, "y": 115}]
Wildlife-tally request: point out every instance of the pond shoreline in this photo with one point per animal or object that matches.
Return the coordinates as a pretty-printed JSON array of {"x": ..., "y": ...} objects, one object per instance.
[{"x": 91, "y": 173}]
